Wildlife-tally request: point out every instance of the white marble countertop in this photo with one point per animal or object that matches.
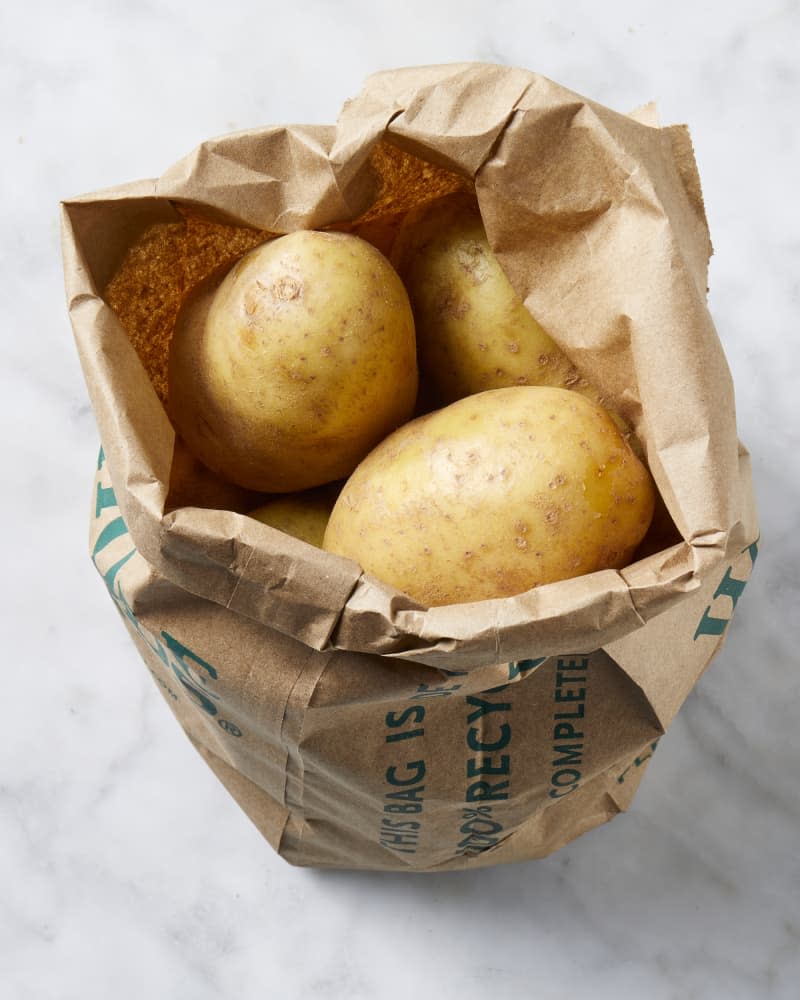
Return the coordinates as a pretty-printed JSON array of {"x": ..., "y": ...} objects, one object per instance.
[{"x": 126, "y": 869}]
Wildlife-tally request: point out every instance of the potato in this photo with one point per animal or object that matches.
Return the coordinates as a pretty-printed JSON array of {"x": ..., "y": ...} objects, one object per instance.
[
  {"x": 473, "y": 331},
  {"x": 192, "y": 484},
  {"x": 497, "y": 493},
  {"x": 303, "y": 515},
  {"x": 285, "y": 374}
]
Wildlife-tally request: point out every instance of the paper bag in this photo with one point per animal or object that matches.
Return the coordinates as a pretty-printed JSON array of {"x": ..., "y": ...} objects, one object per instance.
[{"x": 355, "y": 727}]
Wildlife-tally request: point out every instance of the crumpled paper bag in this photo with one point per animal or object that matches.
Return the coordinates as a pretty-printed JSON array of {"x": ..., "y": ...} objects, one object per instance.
[{"x": 356, "y": 728}]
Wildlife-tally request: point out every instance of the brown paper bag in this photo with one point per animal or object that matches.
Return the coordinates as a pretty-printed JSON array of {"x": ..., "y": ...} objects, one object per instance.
[{"x": 356, "y": 728}]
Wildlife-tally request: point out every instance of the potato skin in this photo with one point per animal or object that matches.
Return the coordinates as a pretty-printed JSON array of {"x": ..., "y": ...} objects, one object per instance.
[
  {"x": 304, "y": 515},
  {"x": 495, "y": 494},
  {"x": 302, "y": 359},
  {"x": 473, "y": 331}
]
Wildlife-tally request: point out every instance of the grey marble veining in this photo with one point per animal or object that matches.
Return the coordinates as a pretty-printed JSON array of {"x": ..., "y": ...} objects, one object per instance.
[{"x": 126, "y": 870}]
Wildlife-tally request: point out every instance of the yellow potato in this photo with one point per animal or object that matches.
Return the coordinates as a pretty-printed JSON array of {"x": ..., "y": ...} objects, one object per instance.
[
  {"x": 303, "y": 515},
  {"x": 473, "y": 331},
  {"x": 286, "y": 374},
  {"x": 497, "y": 493}
]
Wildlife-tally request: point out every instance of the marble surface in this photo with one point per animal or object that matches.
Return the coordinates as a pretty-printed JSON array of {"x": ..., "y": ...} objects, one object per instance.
[{"x": 126, "y": 870}]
